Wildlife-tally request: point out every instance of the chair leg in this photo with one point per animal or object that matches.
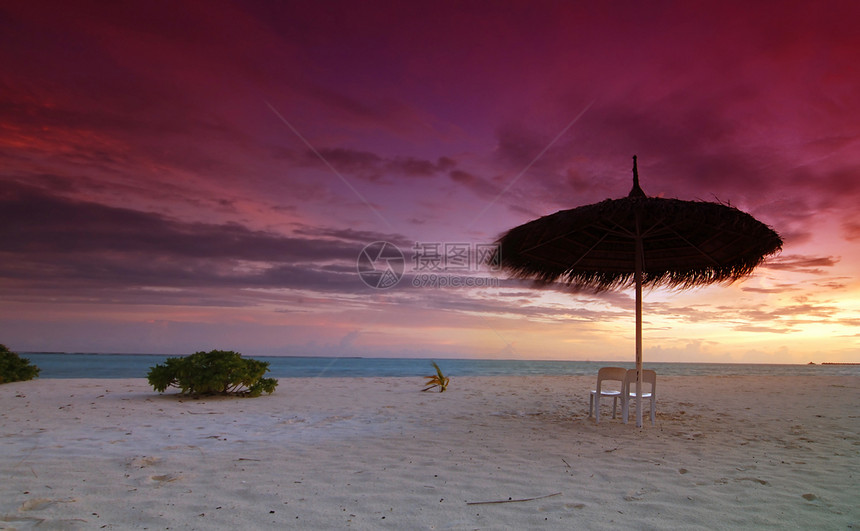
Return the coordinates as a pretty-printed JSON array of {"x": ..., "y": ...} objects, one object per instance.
[
  {"x": 653, "y": 409},
  {"x": 614, "y": 406},
  {"x": 597, "y": 409},
  {"x": 625, "y": 408}
]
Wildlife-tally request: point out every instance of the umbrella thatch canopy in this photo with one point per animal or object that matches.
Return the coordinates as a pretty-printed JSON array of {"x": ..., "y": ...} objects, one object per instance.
[{"x": 639, "y": 241}]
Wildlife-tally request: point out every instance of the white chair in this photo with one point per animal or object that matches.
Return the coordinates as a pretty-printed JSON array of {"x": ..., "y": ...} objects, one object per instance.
[
  {"x": 606, "y": 374},
  {"x": 648, "y": 377}
]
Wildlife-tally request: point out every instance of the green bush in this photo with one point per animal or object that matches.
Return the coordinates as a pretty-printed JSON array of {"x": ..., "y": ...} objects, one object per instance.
[
  {"x": 209, "y": 373},
  {"x": 14, "y": 368}
]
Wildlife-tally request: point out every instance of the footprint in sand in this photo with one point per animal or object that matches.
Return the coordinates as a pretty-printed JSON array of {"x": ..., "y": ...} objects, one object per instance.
[
  {"x": 756, "y": 480},
  {"x": 143, "y": 461},
  {"x": 37, "y": 504},
  {"x": 635, "y": 496},
  {"x": 30, "y": 521},
  {"x": 166, "y": 478}
]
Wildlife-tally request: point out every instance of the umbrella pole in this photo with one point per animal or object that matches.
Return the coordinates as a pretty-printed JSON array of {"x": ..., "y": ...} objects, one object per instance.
[{"x": 638, "y": 279}]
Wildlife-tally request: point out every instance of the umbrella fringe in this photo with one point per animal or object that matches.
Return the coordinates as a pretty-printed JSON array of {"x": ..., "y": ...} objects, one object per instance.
[{"x": 603, "y": 281}]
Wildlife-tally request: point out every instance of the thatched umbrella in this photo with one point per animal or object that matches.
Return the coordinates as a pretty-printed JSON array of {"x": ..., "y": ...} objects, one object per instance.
[{"x": 640, "y": 241}]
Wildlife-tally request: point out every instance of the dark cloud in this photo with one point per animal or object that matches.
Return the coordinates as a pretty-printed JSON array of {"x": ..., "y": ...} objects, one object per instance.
[
  {"x": 59, "y": 245},
  {"x": 372, "y": 167},
  {"x": 363, "y": 237},
  {"x": 852, "y": 230},
  {"x": 477, "y": 185},
  {"x": 34, "y": 222}
]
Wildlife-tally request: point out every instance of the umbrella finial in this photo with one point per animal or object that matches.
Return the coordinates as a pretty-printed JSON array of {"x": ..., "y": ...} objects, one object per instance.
[{"x": 636, "y": 191}]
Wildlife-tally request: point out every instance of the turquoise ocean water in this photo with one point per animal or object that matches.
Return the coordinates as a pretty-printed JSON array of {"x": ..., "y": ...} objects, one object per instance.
[{"x": 62, "y": 365}]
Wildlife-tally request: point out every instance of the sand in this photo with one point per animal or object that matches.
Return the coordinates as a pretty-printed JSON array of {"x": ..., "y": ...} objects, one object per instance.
[{"x": 374, "y": 453}]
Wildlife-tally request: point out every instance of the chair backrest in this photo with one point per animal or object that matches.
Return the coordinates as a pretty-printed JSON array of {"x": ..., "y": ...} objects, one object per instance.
[
  {"x": 648, "y": 377},
  {"x": 611, "y": 374}
]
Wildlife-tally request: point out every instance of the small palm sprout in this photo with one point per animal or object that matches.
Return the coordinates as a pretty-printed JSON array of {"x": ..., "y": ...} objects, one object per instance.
[{"x": 437, "y": 380}]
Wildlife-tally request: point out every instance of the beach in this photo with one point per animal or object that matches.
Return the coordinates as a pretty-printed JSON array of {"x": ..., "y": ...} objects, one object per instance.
[{"x": 500, "y": 452}]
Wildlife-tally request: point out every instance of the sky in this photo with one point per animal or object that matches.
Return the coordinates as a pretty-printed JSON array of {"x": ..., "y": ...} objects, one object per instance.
[{"x": 186, "y": 176}]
